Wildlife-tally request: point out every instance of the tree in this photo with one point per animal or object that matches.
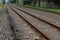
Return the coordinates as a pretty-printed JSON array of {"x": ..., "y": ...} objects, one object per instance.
[
  {"x": 38, "y": 2},
  {"x": 3, "y": 1},
  {"x": 12, "y": 1},
  {"x": 57, "y": 2},
  {"x": 35, "y": 1}
]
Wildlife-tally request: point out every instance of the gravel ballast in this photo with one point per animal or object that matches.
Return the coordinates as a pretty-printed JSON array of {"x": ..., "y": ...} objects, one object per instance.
[{"x": 5, "y": 29}]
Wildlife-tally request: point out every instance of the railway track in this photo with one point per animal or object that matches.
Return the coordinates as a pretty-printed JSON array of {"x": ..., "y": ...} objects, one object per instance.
[
  {"x": 50, "y": 18},
  {"x": 26, "y": 31},
  {"x": 37, "y": 35},
  {"x": 49, "y": 31}
]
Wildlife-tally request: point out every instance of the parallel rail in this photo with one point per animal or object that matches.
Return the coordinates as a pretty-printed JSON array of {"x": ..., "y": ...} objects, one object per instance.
[
  {"x": 14, "y": 29},
  {"x": 39, "y": 18},
  {"x": 47, "y": 36},
  {"x": 31, "y": 25}
]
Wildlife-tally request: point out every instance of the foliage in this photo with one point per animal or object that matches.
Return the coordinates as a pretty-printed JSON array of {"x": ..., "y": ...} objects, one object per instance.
[
  {"x": 45, "y": 8},
  {"x": 34, "y": 3},
  {"x": 4, "y": 1},
  {"x": 12, "y": 1}
]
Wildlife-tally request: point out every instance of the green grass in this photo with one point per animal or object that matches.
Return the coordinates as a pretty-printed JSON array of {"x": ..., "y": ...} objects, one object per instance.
[
  {"x": 0, "y": 7},
  {"x": 45, "y": 8}
]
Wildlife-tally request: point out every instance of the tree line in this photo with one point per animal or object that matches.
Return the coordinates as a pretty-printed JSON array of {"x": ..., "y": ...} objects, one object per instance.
[{"x": 37, "y": 2}]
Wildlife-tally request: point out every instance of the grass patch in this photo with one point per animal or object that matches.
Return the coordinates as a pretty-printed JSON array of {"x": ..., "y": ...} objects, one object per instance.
[
  {"x": 45, "y": 8},
  {"x": 0, "y": 7}
]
